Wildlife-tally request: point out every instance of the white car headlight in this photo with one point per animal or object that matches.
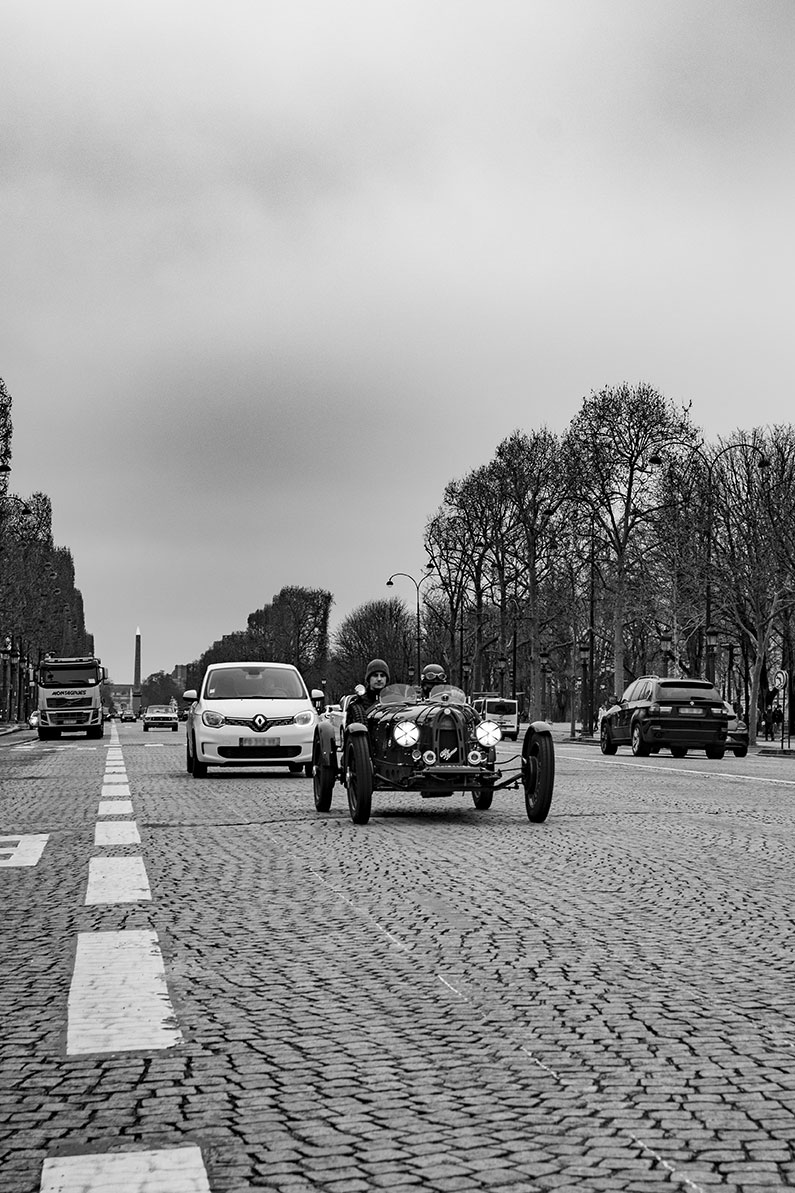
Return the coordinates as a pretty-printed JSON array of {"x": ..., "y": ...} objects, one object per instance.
[
  {"x": 406, "y": 733},
  {"x": 213, "y": 720},
  {"x": 487, "y": 733},
  {"x": 304, "y": 718}
]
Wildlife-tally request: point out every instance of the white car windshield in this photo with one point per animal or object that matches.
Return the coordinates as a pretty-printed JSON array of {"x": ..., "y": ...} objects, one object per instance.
[{"x": 254, "y": 683}]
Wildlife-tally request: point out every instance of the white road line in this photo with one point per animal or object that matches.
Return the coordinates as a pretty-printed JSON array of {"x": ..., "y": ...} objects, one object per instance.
[
  {"x": 22, "y": 850},
  {"x": 115, "y": 791},
  {"x": 674, "y": 770},
  {"x": 116, "y": 832},
  {"x": 115, "y": 807},
  {"x": 176, "y": 1170},
  {"x": 118, "y": 1001},
  {"x": 117, "y": 880},
  {"x": 115, "y": 776}
]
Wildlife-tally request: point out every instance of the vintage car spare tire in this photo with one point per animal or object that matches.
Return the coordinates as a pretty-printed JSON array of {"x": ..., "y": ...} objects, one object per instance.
[
  {"x": 358, "y": 778},
  {"x": 323, "y": 776},
  {"x": 538, "y": 773}
]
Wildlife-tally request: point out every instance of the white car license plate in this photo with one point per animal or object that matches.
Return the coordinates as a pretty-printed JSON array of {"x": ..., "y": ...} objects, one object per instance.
[{"x": 260, "y": 741}]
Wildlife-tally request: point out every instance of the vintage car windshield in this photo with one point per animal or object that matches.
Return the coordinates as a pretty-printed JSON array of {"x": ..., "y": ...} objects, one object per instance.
[
  {"x": 399, "y": 693},
  {"x": 404, "y": 693}
]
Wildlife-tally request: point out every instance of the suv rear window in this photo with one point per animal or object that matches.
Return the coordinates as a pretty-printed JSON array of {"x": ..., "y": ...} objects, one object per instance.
[{"x": 686, "y": 691}]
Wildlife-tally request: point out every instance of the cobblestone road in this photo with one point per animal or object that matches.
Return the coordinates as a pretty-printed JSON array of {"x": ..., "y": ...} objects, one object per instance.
[{"x": 444, "y": 999}]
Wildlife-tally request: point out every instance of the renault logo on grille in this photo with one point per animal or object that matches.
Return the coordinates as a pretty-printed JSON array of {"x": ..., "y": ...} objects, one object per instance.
[{"x": 260, "y": 722}]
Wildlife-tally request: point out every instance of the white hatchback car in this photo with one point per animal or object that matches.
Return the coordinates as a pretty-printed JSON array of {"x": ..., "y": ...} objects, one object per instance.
[{"x": 251, "y": 714}]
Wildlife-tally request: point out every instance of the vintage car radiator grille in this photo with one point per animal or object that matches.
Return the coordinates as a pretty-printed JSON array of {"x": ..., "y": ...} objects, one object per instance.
[{"x": 447, "y": 745}]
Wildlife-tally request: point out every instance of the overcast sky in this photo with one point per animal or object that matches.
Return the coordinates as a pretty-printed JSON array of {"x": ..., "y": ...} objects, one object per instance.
[{"x": 274, "y": 272}]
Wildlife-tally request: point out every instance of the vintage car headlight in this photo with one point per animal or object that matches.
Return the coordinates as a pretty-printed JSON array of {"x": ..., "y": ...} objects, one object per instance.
[
  {"x": 304, "y": 718},
  {"x": 487, "y": 733},
  {"x": 213, "y": 720},
  {"x": 406, "y": 733}
]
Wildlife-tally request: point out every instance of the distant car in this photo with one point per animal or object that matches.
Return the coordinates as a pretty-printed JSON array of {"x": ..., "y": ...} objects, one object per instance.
[
  {"x": 504, "y": 712},
  {"x": 33, "y": 719},
  {"x": 736, "y": 733},
  {"x": 127, "y": 714},
  {"x": 680, "y": 714},
  {"x": 251, "y": 714},
  {"x": 160, "y": 716}
]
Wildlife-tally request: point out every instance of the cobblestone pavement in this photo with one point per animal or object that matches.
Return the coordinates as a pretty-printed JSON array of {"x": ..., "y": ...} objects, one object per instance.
[{"x": 443, "y": 999}]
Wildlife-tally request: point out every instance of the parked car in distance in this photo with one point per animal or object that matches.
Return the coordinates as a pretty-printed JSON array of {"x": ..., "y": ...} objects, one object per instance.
[
  {"x": 33, "y": 719},
  {"x": 736, "y": 733},
  {"x": 160, "y": 716},
  {"x": 127, "y": 714},
  {"x": 503, "y": 711},
  {"x": 654, "y": 712},
  {"x": 251, "y": 714}
]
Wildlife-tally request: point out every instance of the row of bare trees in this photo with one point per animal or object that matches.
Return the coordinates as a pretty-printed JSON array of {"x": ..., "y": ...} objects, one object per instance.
[
  {"x": 629, "y": 543},
  {"x": 41, "y": 608}
]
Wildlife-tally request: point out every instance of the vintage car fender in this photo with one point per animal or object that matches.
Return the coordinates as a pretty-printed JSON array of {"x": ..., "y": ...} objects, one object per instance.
[
  {"x": 539, "y": 727},
  {"x": 324, "y": 735}
]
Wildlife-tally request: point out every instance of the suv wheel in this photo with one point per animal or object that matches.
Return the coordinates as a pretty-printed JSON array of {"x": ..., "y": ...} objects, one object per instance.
[
  {"x": 639, "y": 747},
  {"x": 606, "y": 743}
]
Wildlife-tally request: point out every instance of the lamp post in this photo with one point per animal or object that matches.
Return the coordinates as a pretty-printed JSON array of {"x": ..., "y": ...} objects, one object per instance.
[
  {"x": 417, "y": 584},
  {"x": 762, "y": 463},
  {"x": 467, "y": 670},
  {"x": 586, "y": 726},
  {"x": 711, "y": 635},
  {"x": 729, "y": 648},
  {"x": 666, "y": 641},
  {"x": 544, "y": 656},
  {"x": 502, "y": 663}
]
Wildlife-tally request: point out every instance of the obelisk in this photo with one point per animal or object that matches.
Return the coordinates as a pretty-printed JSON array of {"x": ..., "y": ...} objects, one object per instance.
[{"x": 137, "y": 673}]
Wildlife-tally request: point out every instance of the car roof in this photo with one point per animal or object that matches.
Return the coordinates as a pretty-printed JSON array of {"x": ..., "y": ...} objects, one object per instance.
[{"x": 251, "y": 663}]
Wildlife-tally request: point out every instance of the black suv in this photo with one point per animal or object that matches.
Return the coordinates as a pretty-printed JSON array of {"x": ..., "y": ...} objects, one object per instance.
[{"x": 682, "y": 714}]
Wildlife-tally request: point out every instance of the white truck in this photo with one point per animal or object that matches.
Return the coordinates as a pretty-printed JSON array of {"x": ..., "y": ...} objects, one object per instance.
[{"x": 70, "y": 696}]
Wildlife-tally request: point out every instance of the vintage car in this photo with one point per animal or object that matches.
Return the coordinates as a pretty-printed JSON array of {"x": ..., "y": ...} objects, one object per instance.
[{"x": 437, "y": 746}]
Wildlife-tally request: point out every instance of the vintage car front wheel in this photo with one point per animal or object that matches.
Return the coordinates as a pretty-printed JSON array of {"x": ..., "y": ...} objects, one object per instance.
[
  {"x": 482, "y": 800},
  {"x": 323, "y": 777},
  {"x": 538, "y": 774},
  {"x": 358, "y": 778}
]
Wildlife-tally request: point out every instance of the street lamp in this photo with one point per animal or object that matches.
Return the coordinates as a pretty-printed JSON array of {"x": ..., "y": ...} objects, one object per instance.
[
  {"x": 467, "y": 670},
  {"x": 544, "y": 656},
  {"x": 666, "y": 641},
  {"x": 711, "y": 636},
  {"x": 762, "y": 463},
  {"x": 417, "y": 584},
  {"x": 584, "y": 651},
  {"x": 502, "y": 663}
]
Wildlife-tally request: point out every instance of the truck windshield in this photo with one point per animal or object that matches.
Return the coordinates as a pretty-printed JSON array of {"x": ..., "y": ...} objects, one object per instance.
[{"x": 68, "y": 677}]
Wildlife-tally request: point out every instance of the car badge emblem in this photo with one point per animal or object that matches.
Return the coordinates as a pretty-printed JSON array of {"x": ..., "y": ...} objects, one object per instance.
[
  {"x": 259, "y": 721},
  {"x": 447, "y": 754}
]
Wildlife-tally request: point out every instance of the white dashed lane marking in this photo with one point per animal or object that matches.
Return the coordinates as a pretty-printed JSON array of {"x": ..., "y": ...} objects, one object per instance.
[
  {"x": 176, "y": 1170},
  {"x": 115, "y": 807},
  {"x": 117, "y": 880},
  {"x": 119, "y": 999},
  {"x": 116, "y": 832}
]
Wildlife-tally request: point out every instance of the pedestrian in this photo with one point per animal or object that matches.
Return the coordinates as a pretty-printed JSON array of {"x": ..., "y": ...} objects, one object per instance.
[
  {"x": 768, "y": 722},
  {"x": 778, "y": 716},
  {"x": 376, "y": 677}
]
